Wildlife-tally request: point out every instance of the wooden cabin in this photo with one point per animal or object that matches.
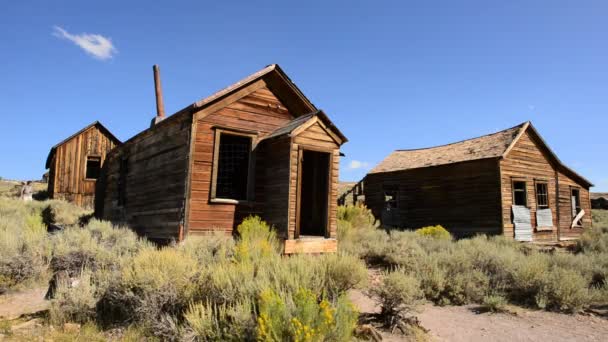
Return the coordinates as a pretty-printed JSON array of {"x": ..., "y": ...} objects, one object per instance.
[
  {"x": 258, "y": 147},
  {"x": 509, "y": 183},
  {"x": 75, "y": 163}
]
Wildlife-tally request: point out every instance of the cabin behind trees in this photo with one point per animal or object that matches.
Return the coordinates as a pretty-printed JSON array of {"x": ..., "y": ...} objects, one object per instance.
[
  {"x": 258, "y": 147},
  {"x": 74, "y": 164},
  {"x": 509, "y": 183}
]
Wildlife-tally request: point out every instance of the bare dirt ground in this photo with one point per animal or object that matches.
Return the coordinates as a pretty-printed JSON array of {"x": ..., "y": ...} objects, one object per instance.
[
  {"x": 13, "y": 305},
  {"x": 464, "y": 323}
]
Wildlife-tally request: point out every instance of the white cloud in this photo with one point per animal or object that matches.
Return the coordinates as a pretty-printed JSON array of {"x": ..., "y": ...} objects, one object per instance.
[
  {"x": 355, "y": 164},
  {"x": 96, "y": 45}
]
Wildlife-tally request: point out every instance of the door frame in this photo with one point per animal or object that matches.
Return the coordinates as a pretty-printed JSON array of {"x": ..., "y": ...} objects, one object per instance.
[{"x": 301, "y": 149}]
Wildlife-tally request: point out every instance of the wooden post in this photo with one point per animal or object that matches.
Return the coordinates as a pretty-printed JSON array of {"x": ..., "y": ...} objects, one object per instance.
[{"x": 160, "y": 108}]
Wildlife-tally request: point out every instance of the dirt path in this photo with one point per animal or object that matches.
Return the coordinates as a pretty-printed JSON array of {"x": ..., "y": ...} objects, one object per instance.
[
  {"x": 463, "y": 323},
  {"x": 26, "y": 302}
]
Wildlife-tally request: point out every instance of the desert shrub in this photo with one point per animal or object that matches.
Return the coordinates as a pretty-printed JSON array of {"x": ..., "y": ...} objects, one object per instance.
[
  {"x": 209, "y": 322},
  {"x": 24, "y": 246},
  {"x": 435, "y": 232},
  {"x": 62, "y": 213},
  {"x": 257, "y": 241},
  {"x": 494, "y": 303},
  {"x": 97, "y": 245},
  {"x": 399, "y": 294},
  {"x": 567, "y": 291},
  {"x": 342, "y": 273},
  {"x": 358, "y": 215},
  {"x": 302, "y": 317},
  {"x": 594, "y": 240},
  {"x": 209, "y": 248},
  {"x": 599, "y": 217},
  {"x": 74, "y": 300}
]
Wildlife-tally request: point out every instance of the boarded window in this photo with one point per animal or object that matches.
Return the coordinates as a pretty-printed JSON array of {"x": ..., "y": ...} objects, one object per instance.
[
  {"x": 576, "y": 202},
  {"x": 391, "y": 200},
  {"x": 519, "y": 193},
  {"x": 232, "y": 166},
  {"x": 122, "y": 182},
  {"x": 93, "y": 167},
  {"x": 542, "y": 196}
]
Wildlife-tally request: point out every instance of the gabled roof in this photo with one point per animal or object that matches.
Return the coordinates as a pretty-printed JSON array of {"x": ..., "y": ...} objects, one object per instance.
[
  {"x": 488, "y": 146},
  {"x": 294, "y": 124},
  {"x": 96, "y": 123},
  {"x": 495, "y": 145},
  {"x": 276, "y": 78}
]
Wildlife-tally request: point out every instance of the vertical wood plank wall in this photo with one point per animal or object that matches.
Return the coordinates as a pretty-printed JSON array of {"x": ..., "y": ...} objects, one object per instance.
[
  {"x": 565, "y": 207},
  {"x": 463, "y": 197},
  {"x": 528, "y": 163},
  {"x": 157, "y": 164},
  {"x": 260, "y": 111},
  {"x": 67, "y": 174}
]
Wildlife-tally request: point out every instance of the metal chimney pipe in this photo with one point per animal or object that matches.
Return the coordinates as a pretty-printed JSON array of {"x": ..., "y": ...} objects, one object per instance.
[{"x": 160, "y": 107}]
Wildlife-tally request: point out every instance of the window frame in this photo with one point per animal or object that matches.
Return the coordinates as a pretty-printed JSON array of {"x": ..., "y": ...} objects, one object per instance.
[
  {"x": 215, "y": 165},
  {"x": 536, "y": 193},
  {"x": 578, "y": 208},
  {"x": 86, "y": 166},
  {"x": 513, "y": 190},
  {"x": 390, "y": 188}
]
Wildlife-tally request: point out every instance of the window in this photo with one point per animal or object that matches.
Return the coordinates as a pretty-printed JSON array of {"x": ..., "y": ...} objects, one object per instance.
[
  {"x": 519, "y": 193},
  {"x": 231, "y": 173},
  {"x": 93, "y": 167},
  {"x": 542, "y": 196},
  {"x": 576, "y": 202},
  {"x": 390, "y": 197},
  {"x": 122, "y": 181}
]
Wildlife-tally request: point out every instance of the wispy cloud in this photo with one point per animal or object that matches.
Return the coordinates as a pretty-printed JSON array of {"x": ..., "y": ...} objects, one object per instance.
[
  {"x": 356, "y": 164},
  {"x": 96, "y": 45}
]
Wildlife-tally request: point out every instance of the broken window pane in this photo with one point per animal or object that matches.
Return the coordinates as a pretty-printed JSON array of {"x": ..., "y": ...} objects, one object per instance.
[{"x": 519, "y": 193}]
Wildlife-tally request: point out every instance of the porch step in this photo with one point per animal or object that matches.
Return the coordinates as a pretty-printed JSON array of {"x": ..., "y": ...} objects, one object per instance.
[{"x": 311, "y": 245}]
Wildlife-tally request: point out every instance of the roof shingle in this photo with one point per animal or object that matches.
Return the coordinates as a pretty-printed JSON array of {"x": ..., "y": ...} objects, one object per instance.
[{"x": 488, "y": 146}]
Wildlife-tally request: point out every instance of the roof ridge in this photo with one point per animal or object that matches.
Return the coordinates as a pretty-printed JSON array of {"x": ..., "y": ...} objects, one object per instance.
[{"x": 461, "y": 141}]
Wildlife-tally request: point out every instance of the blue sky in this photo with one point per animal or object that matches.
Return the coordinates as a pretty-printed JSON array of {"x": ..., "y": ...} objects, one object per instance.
[{"x": 391, "y": 75}]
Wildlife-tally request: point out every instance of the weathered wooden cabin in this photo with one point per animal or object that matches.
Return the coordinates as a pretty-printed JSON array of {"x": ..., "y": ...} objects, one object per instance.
[
  {"x": 258, "y": 147},
  {"x": 509, "y": 183},
  {"x": 74, "y": 164}
]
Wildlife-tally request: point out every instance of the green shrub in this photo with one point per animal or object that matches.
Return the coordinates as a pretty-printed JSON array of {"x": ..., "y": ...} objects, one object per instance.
[
  {"x": 567, "y": 291},
  {"x": 342, "y": 273},
  {"x": 594, "y": 240},
  {"x": 599, "y": 217},
  {"x": 24, "y": 247},
  {"x": 494, "y": 303},
  {"x": 435, "y": 232},
  {"x": 208, "y": 322},
  {"x": 399, "y": 294},
  {"x": 302, "y": 317},
  {"x": 63, "y": 213},
  {"x": 209, "y": 248},
  {"x": 74, "y": 301},
  {"x": 257, "y": 241},
  {"x": 357, "y": 215}
]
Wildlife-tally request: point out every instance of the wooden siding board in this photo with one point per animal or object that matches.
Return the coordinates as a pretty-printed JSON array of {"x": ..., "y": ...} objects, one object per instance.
[
  {"x": 462, "y": 197},
  {"x": 156, "y": 181},
  {"x": 69, "y": 165}
]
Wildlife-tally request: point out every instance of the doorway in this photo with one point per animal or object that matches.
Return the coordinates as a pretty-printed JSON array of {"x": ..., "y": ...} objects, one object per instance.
[{"x": 314, "y": 193}]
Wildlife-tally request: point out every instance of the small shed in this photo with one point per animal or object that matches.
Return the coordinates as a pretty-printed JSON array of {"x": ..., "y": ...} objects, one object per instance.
[
  {"x": 74, "y": 164},
  {"x": 257, "y": 147},
  {"x": 509, "y": 183}
]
